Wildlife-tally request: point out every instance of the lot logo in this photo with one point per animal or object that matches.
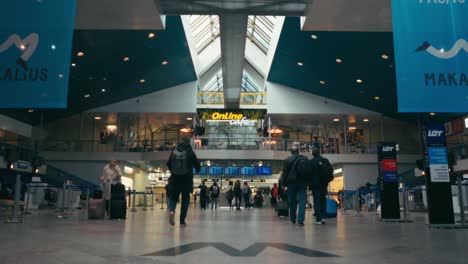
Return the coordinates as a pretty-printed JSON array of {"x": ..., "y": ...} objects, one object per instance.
[
  {"x": 434, "y": 133},
  {"x": 387, "y": 149},
  {"x": 460, "y": 45},
  {"x": 27, "y": 47}
]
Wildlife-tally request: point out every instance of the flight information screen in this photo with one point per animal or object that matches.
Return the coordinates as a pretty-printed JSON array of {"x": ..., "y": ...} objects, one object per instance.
[
  {"x": 231, "y": 171},
  {"x": 248, "y": 171},
  {"x": 215, "y": 170},
  {"x": 264, "y": 170}
]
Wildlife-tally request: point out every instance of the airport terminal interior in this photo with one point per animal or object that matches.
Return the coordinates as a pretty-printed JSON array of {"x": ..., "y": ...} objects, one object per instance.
[{"x": 103, "y": 103}]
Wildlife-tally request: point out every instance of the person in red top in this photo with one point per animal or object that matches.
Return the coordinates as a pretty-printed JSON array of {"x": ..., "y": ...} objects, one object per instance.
[{"x": 274, "y": 195}]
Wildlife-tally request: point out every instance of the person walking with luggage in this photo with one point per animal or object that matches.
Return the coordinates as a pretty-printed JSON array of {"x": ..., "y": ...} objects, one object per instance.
[
  {"x": 274, "y": 195},
  {"x": 181, "y": 163},
  {"x": 214, "y": 193},
  {"x": 322, "y": 174},
  {"x": 295, "y": 185},
  {"x": 238, "y": 194},
  {"x": 203, "y": 190},
  {"x": 111, "y": 174},
  {"x": 246, "y": 193}
]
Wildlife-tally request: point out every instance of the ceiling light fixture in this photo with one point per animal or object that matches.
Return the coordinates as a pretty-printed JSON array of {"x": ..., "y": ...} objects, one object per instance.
[
  {"x": 80, "y": 54},
  {"x": 322, "y": 82},
  {"x": 53, "y": 47},
  {"x": 97, "y": 118},
  {"x": 300, "y": 63},
  {"x": 103, "y": 90},
  {"x": 314, "y": 36},
  {"x": 151, "y": 35},
  {"x": 189, "y": 119},
  {"x": 339, "y": 60},
  {"x": 22, "y": 47},
  {"x": 142, "y": 81},
  {"x": 336, "y": 120},
  {"x": 384, "y": 56},
  {"x": 359, "y": 81},
  {"x": 376, "y": 97},
  {"x": 73, "y": 65},
  {"x": 126, "y": 59},
  {"x": 30, "y": 110},
  {"x": 365, "y": 120},
  {"x": 87, "y": 95},
  {"x": 432, "y": 114},
  {"x": 164, "y": 63}
]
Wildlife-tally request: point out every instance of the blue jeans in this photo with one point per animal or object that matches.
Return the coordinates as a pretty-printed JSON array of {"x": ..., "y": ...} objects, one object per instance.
[
  {"x": 320, "y": 203},
  {"x": 297, "y": 194},
  {"x": 185, "y": 204}
]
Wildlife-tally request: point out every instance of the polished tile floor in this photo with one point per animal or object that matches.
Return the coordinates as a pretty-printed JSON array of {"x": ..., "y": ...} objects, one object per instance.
[{"x": 224, "y": 237}]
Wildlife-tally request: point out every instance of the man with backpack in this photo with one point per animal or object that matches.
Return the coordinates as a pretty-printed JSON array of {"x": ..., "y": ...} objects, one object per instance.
[
  {"x": 214, "y": 191},
  {"x": 294, "y": 177},
  {"x": 181, "y": 164},
  {"x": 322, "y": 174}
]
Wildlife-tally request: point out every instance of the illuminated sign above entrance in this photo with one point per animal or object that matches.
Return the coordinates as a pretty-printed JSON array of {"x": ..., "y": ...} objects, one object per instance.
[{"x": 234, "y": 117}]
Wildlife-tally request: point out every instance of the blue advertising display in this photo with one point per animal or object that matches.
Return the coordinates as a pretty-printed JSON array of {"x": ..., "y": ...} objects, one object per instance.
[
  {"x": 435, "y": 135},
  {"x": 35, "y": 50},
  {"x": 264, "y": 170},
  {"x": 231, "y": 171},
  {"x": 250, "y": 171},
  {"x": 215, "y": 170},
  {"x": 431, "y": 55},
  {"x": 203, "y": 171}
]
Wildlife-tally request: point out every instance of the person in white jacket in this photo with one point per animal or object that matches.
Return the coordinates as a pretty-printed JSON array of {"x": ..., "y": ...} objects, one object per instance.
[{"x": 111, "y": 174}]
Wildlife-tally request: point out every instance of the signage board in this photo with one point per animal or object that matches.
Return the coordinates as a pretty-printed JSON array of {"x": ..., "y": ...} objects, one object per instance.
[
  {"x": 35, "y": 51},
  {"x": 264, "y": 170},
  {"x": 438, "y": 164},
  {"x": 389, "y": 170},
  {"x": 431, "y": 55},
  {"x": 248, "y": 171},
  {"x": 215, "y": 170},
  {"x": 203, "y": 171},
  {"x": 231, "y": 171},
  {"x": 241, "y": 117}
]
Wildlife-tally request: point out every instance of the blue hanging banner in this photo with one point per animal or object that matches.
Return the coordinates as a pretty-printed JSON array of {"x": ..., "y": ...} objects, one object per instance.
[
  {"x": 431, "y": 55},
  {"x": 35, "y": 50}
]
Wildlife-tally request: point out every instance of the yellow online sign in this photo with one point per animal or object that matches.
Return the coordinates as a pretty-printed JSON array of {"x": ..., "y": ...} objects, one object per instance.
[{"x": 226, "y": 116}]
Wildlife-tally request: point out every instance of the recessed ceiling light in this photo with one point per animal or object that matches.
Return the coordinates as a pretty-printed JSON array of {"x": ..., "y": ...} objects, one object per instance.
[
  {"x": 339, "y": 60},
  {"x": 97, "y": 118},
  {"x": 87, "y": 95},
  {"x": 151, "y": 35},
  {"x": 300, "y": 63},
  {"x": 384, "y": 56},
  {"x": 126, "y": 59},
  {"x": 322, "y": 82},
  {"x": 336, "y": 120},
  {"x": 164, "y": 63},
  {"x": 80, "y": 54},
  {"x": 22, "y": 47},
  {"x": 53, "y": 47},
  {"x": 30, "y": 110},
  {"x": 432, "y": 114},
  {"x": 73, "y": 65},
  {"x": 103, "y": 90},
  {"x": 359, "y": 81},
  {"x": 376, "y": 97},
  {"x": 60, "y": 75},
  {"x": 142, "y": 80},
  {"x": 365, "y": 120},
  {"x": 314, "y": 36},
  {"x": 189, "y": 118}
]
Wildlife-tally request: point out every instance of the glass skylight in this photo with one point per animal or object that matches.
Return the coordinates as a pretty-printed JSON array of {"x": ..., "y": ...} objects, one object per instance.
[
  {"x": 260, "y": 31},
  {"x": 247, "y": 84},
  {"x": 205, "y": 30},
  {"x": 215, "y": 84}
]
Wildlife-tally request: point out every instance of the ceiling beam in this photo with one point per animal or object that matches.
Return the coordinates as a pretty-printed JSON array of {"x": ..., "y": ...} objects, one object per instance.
[{"x": 233, "y": 32}]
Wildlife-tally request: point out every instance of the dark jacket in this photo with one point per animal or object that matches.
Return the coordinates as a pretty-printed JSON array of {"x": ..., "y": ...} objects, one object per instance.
[
  {"x": 237, "y": 190},
  {"x": 316, "y": 182},
  {"x": 211, "y": 191},
  {"x": 287, "y": 172},
  {"x": 184, "y": 182}
]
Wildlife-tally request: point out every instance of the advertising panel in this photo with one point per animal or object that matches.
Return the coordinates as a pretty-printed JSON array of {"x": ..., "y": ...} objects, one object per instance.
[{"x": 431, "y": 55}]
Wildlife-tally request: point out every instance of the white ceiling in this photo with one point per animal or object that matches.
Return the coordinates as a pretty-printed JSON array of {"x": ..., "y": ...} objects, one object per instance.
[
  {"x": 349, "y": 15},
  {"x": 118, "y": 14}
]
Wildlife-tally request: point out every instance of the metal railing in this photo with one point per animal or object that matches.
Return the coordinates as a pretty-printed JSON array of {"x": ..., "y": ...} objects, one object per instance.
[
  {"x": 107, "y": 146},
  {"x": 253, "y": 98},
  {"x": 207, "y": 98}
]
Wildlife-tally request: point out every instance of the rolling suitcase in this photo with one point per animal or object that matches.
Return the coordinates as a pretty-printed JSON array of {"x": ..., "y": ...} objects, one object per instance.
[
  {"x": 96, "y": 208},
  {"x": 282, "y": 208},
  {"x": 117, "y": 191},
  {"x": 118, "y": 209},
  {"x": 331, "y": 208}
]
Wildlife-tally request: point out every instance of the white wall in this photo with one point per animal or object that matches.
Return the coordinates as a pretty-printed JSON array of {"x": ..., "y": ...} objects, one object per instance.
[
  {"x": 15, "y": 126},
  {"x": 287, "y": 100},
  {"x": 356, "y": 175},
  {"x": 177, "y": 99}
]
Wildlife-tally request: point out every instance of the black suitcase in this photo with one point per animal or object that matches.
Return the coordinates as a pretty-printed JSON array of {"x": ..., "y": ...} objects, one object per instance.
[
  {"x": 118, "y": 209},
  {"x": 282, "y": 208},
  {"x": 117, "y": 191}
]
